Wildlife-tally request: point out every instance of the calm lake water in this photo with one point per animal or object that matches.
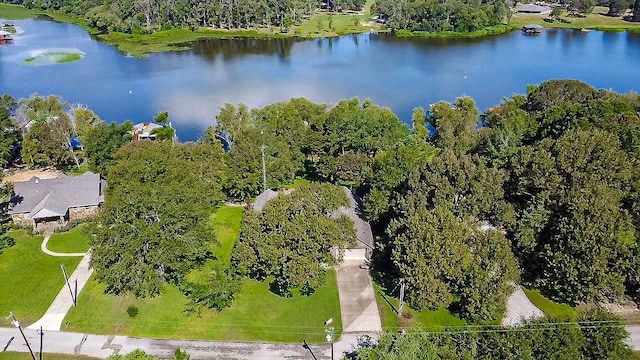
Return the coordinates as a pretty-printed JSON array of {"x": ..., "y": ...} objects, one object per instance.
[{"x": 399, "y": 73}]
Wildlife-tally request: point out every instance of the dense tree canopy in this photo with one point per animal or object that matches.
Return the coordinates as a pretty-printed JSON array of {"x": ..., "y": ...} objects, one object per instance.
[
  {"x": 50, "y": 131},
  {"x": 153, "y": 226},
  {"x": 152, "y": 15},
  {"x": 291, "y": 240},
  {"x": 598, "y": 336},
  {"x": 10, "y": 132},
  {"x": 433, "y": 16},
  {"x": 102, "y": 142}
]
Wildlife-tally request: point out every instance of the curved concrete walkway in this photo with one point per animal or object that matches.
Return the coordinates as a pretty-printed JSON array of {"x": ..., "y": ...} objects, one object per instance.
[{"x": 44, "y": 249}]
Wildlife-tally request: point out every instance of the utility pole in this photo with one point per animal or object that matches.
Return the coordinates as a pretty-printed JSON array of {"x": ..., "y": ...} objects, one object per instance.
[
  {"x": 41, "y": 338},
  {"x": 401, "y": 297},
  {"x": 66, "y": 279},
  {"x": 17, "y": 324},
  {"x": 264, "y": 169},
  {"x": 306, "y": 346},
  {"x": 329, "y": 332}
]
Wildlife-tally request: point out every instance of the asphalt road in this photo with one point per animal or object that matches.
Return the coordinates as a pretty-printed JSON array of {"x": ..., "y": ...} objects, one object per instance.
[{"x": 101, "y": 346}]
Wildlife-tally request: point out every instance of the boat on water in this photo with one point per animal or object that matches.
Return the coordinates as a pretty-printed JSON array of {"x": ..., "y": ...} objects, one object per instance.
[
  {"x": 5, "y": 36},
  {"x": 584, "y": 30}
]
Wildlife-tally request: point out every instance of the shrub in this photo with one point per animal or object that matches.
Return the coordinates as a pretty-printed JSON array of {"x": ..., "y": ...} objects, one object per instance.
[
  {"x": 132, "y": 311},
  {"x": 6, "y": 241}
]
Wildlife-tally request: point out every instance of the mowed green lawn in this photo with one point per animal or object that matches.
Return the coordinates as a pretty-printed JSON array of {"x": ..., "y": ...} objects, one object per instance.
[
  {"x": 255, "y": 315},
  {"x": 74, "y": 241},
  {"x": 549, "y": 307},
  {"x": 596, "y": 20},
  {"x": 29, "y": 279},
  {"x": 429, "y": 320}
]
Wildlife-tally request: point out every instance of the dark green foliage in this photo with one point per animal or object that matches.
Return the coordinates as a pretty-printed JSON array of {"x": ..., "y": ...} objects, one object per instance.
[
  {"x": 48, "y": 142},
  {"x": 212, "y": 287},
  {"x": 448, "y": 262},
  {"x": 181, "y": 355},
  {"x": 435, "y": 16},
  {"x": 132, "y": 311},
  {"x": 153, "y": 227},
  {"x": 6, "y": 241},
  {"x": 10, "y": 134},
  {"x": 455, "y": 124},
  {"x": 290, "y": 241},
  {"x": 344, "y": 143},
  {"x": 102, "y": 142},
  {"x": 141, "y": 355},
  {"x": 164, "y": 133},
  {"x": 573, "y": 229},
  {"x": 554, "y": 93},
  {"x": 146, "y": 16},
  {"x": 598, "y": 337}
]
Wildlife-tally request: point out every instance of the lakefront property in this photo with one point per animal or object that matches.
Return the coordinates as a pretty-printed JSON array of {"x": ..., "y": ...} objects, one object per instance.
[{"x": 336, "y": 197}]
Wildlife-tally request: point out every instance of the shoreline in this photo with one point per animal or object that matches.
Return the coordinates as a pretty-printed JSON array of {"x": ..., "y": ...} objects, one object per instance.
[{"x": 142, "y": 45}]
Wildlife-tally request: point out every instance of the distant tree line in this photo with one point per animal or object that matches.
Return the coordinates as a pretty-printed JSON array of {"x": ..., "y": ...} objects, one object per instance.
[
  {"x": 434, "y": 16},
  {"x": 141, "y": 16}
]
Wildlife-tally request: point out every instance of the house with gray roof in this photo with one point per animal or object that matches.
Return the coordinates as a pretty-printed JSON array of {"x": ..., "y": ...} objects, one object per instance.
[
  {"x": 533, "y": 9},
  {"x": 52, "y": 203}
]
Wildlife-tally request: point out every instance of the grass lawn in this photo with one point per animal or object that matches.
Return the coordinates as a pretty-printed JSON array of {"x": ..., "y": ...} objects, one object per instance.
[
  {"x": 76, "y": 171},
  {"x": 226, "y": 222},
  {"x": 297, "y": 183},
  {"x": 30, "y": 279},
  {"x": 15, "y": 12},
  {"x": 73, "y": 241},
  {"x": 430, "y": 320},
  {"x": 550, "y": 308},
  {"x": 9, "y": 355},
  {"x": 597, "y": 20},
  {"x": 256, "y": 314}
]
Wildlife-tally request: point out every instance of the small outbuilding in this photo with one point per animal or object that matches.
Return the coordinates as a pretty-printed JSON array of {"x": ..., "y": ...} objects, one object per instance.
[{"x": 532, "y": 29}]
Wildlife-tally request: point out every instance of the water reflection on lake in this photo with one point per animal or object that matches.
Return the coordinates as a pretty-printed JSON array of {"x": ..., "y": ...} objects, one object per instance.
[{"x": 395, "y": 72}]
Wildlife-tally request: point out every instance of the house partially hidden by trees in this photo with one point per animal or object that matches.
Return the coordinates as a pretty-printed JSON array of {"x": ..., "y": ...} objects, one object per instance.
[
  {"x": 52, "y": 203},
  {"x": 145, "y": 131}
]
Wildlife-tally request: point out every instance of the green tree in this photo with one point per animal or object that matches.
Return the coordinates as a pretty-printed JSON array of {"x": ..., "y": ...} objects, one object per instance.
[
  {"x": 573, "y": 234},
  {"x": 419, "y": 119},
  {"x": 289, "y": 243},
  {"x": 153, "y": 227},
  {"x": 10, "y": 133},
  {"x": 476, "y": 276},
  {"x": 455, "y": 124},
  {"x": 50, "y": 131},
  {"x": 102, "y": 142}
]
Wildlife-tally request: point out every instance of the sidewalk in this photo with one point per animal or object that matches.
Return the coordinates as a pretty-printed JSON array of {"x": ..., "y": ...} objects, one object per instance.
[
  {"x": 102, "y": 346},
  {"x": 52, "y": 319}
]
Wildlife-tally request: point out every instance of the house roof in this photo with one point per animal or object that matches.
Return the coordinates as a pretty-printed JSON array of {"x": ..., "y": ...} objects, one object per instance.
[
  {"x": 263, "y": 198},
  {"x": 145, "y": 128},
  {"x": 41, "y": 198},
  {"x": 532, "y": 8}
]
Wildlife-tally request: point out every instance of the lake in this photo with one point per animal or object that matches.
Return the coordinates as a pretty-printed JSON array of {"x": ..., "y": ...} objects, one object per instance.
[{"x": 395, "y": 72}]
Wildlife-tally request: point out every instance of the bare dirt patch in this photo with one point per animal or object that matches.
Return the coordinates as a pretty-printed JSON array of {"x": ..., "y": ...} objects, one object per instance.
[{"x": 24, "y": 175}]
